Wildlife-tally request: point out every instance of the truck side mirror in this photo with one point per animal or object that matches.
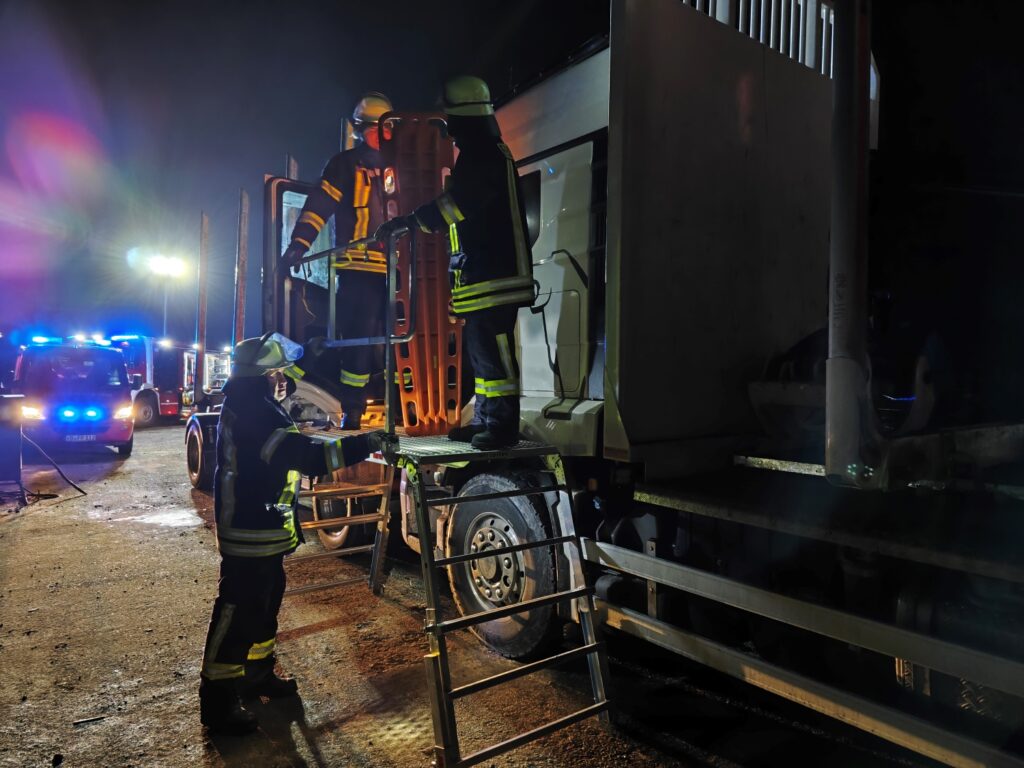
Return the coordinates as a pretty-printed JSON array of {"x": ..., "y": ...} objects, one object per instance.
[{"x": 136, "y": 381}]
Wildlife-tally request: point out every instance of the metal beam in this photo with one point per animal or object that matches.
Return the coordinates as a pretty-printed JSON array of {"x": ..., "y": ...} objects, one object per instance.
[
  {"x": 890, "y": 724},
  {"x": 984, "y": 668},
  {"x": 775, "y": 520}
]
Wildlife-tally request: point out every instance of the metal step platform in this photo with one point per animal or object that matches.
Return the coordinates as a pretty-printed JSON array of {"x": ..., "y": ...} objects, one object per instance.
[{"x": 414, "y": 453}]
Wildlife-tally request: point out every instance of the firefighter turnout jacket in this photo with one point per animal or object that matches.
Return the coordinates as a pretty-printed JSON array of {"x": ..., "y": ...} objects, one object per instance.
[
  {"x": 349, "y": 190},
  {"x": 491, "y": 261},
  {"x": 261, "y": 457}
]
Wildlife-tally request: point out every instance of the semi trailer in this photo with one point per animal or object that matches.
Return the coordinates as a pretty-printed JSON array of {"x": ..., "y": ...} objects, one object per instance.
[{"x": 768, "y": 478}]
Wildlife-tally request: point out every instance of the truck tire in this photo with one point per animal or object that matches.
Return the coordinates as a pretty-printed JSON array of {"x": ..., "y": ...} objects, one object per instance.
[
  {"x": 492, "y": 582},
  {"x": 147, "y": 411},
  {"x": 126, "y": 448},
  {"x": 200, "y": 461},
  {"x": 348, "y": 536}
]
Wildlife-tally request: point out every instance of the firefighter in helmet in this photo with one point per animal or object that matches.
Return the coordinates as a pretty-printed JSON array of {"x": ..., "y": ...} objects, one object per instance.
[
  {"x": 350, "y": 190},
  {"x": 491, "y": 266},
  {"x": 261, "y": 457}
]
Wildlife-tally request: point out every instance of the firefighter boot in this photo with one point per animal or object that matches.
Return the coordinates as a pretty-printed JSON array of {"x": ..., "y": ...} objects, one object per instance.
[
  {"x": 221, "y": 710},
  {"x": 261, "y": 680},
  {"x": 493, "y": 439},
  {"x": 466, "y": 433}
]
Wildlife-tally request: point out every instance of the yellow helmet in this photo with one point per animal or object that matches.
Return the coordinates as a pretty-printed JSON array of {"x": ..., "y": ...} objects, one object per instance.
[
  {"x": 467, "y": 96},
  {"x": 369, "y": 109},
  {"x": 259, "y": 356}
]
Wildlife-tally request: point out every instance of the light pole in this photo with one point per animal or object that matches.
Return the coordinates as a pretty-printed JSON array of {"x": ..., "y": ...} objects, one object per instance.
[{"x": 167, "y": 267}]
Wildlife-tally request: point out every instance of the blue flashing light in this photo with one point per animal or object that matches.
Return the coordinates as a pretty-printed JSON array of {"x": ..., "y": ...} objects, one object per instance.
[
  {"x": 68, "y": 413},
  {"x": 47, "y": 339},
  {"x": 92, "y": 413},
  {"x": 129, "y": 337}
]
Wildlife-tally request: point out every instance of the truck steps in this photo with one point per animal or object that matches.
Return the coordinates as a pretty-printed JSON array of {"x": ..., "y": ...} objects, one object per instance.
[{"x": 415, "y": 452}]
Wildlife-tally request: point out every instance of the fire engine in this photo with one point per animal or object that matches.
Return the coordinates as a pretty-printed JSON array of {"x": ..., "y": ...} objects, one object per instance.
[{"x": 162, "y": 373}]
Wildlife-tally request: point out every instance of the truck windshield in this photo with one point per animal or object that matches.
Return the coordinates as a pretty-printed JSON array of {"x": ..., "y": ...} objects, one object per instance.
[{"x": 73, "y": 369}]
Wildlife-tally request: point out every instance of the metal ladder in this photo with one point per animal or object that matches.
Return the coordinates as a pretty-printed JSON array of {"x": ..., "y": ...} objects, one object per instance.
[
  {"x": 380, "y": 518},
  {"x": 414, "y": 452}
]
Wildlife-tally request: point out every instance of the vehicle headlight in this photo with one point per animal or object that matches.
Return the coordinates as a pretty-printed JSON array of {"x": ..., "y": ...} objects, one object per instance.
[
  {"x": 32, "y": 413},
  {"x": 124, "y": 412}
]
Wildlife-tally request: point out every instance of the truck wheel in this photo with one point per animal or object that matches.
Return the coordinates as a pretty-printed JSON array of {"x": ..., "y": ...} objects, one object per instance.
[
  {"x": 200, "y": 466},
  {"x": 492, "y": 582},
  {"x": 126, "y": 448},
  {"x": 146, "y": 410},
  {"x": 330, "y": 508}
]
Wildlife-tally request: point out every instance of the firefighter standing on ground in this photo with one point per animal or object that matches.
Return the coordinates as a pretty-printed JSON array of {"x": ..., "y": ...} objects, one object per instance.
[
  {"x": 491, "y": 265},
  {"x": 261, "y": 457},
  {"x": 350, "y": 190}
]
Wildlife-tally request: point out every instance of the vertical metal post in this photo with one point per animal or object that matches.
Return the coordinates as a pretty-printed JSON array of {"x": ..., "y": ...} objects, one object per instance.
[
  {"x": 852, "y": 445},
  {"x": 390, "y": 279},
  {"x": 764, "y": 21},
  {"x": 652, "y": 586},
  {"x": 745, "y": 17},
  {"x": 291, "y": 167},
  {"x": 724, "y": 12},
  {"x": 380, "y": 541},
  {"x": 200, "y": 342},
  {"x": 241, "y": 269},
  {"x": 332, "y": 298},
  {"x": 439, "y": 682},
  {"x": 773, "y": 21}
]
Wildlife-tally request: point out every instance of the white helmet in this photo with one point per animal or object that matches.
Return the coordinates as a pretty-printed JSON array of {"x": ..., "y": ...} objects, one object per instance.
[{"x": 369, "y": 110}]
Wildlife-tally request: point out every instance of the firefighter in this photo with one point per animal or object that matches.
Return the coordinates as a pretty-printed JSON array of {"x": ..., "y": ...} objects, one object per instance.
[
  {"x": 261, "y": 457},
  {"x": 350, "y": 190},
  {"x": 490, "y": 267}
]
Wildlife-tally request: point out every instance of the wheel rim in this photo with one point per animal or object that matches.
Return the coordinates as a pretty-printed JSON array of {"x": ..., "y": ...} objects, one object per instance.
[
  {"x": 496, "y": 580},
  {"x": 331, "y": 538},
  {"x": 146, "y": 412}
]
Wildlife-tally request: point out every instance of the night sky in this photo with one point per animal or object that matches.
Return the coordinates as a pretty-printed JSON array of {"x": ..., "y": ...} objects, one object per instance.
[{"x": 121, "y": 121}]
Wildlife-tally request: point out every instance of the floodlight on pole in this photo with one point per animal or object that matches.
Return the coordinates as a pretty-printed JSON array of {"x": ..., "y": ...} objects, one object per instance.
[{"x": 168, "y": 267}]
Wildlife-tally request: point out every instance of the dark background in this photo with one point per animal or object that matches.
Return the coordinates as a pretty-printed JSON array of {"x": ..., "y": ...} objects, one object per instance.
[{"x": 121, "y": 121}]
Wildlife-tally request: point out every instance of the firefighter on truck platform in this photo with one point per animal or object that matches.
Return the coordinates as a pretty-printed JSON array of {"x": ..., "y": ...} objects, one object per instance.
[
  {"x": 350, "y": 190},
  {"x": 491, "y": 267},
  {"x": 261, "y": 457}
]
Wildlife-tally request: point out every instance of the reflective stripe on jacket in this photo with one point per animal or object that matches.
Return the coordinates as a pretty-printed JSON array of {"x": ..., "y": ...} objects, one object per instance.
[
  {"x": 261, "y": 457},
  {"x": 481, "y": 210}
]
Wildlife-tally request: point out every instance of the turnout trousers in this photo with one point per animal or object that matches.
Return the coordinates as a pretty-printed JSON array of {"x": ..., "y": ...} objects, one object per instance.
[
  {"x": 243, "y": 627},
  {"x": 361, "y": 309},
  {"x": 489, "y": 342}
]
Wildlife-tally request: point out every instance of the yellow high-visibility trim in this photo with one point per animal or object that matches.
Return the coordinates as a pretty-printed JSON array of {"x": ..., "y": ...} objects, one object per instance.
[
  {"x": 496, "y": 300},
  {"x": 334, "y": 455},
  {"x": 505, "y": 352},
  {"x": 453, "y": 237},
  {"x": 497, "y": 387},
  {"x": 304, "y": 241},
  {"x": 275, "y": 439},
  {"x": 257, "y": 550},
  {"x": 354, "y": 379},
  {"x": 524, "y": 266},
  {"x": 491, "y": 286},
  {"x": 311, "y": 218},
  {"x": 213, "y": 670},
  {"x": 449, "y": 210},
  {"x": 423, "y": 227},
  {"x": 256, "y": 535},
  {"x": 258, "y": 651},
  {"x": 331, "y": 190},
  {"x": 227, "y": 611},
  {"x": 294, "y": 372}
]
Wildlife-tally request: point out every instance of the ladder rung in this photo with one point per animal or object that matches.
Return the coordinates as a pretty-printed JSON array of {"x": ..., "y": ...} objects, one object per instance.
[
  {"x": 496, "y": 495},
  {"x": 508, "y": 610},
  {"x": 332, "y": 553},
  {"x": 501, "y": 551},
  {"x": 525, "y": 669},
  {"x": 341, "y": 522},
  {"x": 342, "y": 491},
  {"x": 536, "y": 733},
  {"x": 325, "y": 585}
]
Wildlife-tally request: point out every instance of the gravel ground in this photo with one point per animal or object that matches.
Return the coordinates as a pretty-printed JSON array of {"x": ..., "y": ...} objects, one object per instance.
[{"x": 104, "y": 601}]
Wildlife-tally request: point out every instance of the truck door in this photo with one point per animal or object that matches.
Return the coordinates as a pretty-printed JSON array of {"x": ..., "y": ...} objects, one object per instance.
[{"x": 295, "y": 303}]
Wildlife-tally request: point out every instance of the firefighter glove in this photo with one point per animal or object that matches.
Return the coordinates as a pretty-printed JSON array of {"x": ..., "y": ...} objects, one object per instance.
[
  {"x": 383, "y": 442},
  {"x": 398, "y": 224},
  {"x": 293, "y": 255}
]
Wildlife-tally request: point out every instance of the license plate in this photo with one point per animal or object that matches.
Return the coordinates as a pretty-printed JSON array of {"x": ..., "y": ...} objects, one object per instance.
[{"x": 80, "y": 438}]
